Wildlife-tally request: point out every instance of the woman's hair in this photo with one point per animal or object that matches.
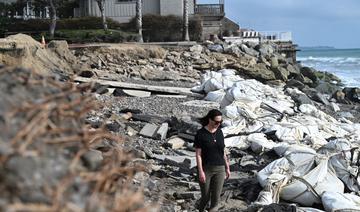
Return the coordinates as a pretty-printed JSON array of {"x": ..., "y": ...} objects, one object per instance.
[{"x": 211, "y": 115}]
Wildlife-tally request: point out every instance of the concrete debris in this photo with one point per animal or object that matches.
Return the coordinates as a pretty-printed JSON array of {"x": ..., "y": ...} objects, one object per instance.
[
  {"x": 149, "y": 130},
  {"x": 176, "y": 142}
]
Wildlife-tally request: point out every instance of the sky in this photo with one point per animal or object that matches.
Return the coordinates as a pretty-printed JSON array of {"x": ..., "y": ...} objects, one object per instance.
[{"x": 333, "y": 23}]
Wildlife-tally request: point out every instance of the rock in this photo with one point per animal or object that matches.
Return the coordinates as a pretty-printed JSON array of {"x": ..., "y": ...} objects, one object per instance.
[
  {"x": 162, "y": 131},
  {"x": 196, "y": 49},
  {"x": 327, "y": 88},
  {"x": 216, "y": 48},
  {"x": 119, "y": 92},
  {"x": 131, "y": 131},
  {"x": 193, "y": 195},
  {"x": 113, "y": 126},
  {"x": 87, "y": 74},
  {"x": 316, "y": 96},
  {"x": 233, "y": 50},
  {"x": 249, "y": 51},
  {"x": 259, "y": 72},
  {"x": 92, "y": 159},
  {"x": 176, "y": 142},
  {"x": 309, "y": 73},
  {"x": 352, "y": 94},
  {"x": 301, "y": 98},
  {"x": 340, "y": 97},
  {"x": 149, "y": 130},
  {"x": 294, "y": 84},
  {"x": 142, "y": 62},
  {"x": 5, "y": 148},
  {"x": 265, "y": 49},
  {"x": 281, "y": 73},
  {"x": 274, "y": 62}
]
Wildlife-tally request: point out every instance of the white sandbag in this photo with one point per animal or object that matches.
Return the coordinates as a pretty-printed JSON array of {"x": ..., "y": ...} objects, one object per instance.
[
  {"x": 274, "y": 172},
  {"x": 239, "y": 142},
  {"x": 228, "y": 72},
  {"x": 334, "y": 201},
  {"x": 235, "y": 128},
  {"x": 341, "y": 162},
  {"x": 197, "y": 89},
  {"x": 264, "y": 198},
  {"x": 289, "y": 134},
  {"x": 212, "y": 85},
  {"x": 259, "y": 143},
  {"x": 321, "y": 179},
  {"x": 215, "y": 96},
  {"x": 313, "y": 111},
  {"x": 231, "y": 112},
  {"x": 285, "y": 148}
]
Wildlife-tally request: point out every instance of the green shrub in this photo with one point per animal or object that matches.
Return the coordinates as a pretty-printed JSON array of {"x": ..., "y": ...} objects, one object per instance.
[
  {"x": 158, "y": 28},
  {"x": 16, "y": 25}
]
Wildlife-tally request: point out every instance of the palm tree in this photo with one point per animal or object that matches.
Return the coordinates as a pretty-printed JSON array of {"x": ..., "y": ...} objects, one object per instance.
[
  {"x": 186, "y": 21},
  {"x": 101, "y": 4},
  {"x": 53, "y": 7},
  {"x": 139, "y": 20}
]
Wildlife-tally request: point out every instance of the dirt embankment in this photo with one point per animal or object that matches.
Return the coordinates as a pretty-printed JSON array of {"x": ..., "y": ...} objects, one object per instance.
[{"x": 23, "y": 51}]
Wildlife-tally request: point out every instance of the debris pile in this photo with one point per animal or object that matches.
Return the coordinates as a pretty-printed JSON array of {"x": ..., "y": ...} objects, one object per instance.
[{"x": 50, "y": 160}]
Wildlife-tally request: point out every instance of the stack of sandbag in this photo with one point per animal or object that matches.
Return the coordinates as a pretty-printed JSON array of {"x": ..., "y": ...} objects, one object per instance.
[{"x": 307, "y": 176}]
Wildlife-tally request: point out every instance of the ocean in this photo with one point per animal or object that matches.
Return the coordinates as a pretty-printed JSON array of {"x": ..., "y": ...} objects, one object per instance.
[{"x": 344, "y": 63}]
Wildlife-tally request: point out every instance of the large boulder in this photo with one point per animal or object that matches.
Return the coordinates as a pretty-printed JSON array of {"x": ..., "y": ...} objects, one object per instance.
[
  {"x": 259, "y": 72},
  {"x": 281, "y": 73},
  {"x": 249, "y": 51},
  {"x": 309, "y": 73}
]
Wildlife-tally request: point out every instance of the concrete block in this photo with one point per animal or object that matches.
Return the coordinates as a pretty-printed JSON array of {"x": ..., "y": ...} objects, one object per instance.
[
  {"x": 180, "y": 161},
  {"x": 176, "y": 142},
  {"x": 162, "y": 131},
  {"x": 188, "y": 195},
  {"x": 149, "y": 130}
]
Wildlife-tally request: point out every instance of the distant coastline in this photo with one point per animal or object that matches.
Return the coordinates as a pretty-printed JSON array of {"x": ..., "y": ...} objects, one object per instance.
[{"x": 316, "y": 47}]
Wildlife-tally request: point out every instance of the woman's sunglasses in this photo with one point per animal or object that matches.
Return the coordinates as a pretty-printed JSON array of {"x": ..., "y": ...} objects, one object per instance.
[{"x": 217, "y": 122}]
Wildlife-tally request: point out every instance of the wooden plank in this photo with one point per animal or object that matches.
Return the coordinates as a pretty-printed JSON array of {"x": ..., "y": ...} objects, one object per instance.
[{"x": 153, "y": 88}]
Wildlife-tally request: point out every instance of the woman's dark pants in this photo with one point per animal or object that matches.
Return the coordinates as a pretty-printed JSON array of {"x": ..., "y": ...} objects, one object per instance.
[{"x": 211, "y": 189}]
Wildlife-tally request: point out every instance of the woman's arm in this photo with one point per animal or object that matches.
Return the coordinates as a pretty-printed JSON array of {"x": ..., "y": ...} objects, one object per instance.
[
  {"x": 227, "y": 166},
  {"x": 202, "y": 177}
]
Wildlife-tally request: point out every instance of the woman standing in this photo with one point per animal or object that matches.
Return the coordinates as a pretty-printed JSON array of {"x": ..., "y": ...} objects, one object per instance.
[{"x": 212, "y": 163}]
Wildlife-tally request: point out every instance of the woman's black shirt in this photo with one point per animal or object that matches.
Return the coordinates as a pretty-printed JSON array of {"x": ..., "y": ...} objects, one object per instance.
[{"x": 211, "y": 145}]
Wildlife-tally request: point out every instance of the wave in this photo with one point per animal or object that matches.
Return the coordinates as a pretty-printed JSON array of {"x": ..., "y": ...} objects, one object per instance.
[
  {"x": 347, "y": 68},
  {"x": 337, "y": 60}
]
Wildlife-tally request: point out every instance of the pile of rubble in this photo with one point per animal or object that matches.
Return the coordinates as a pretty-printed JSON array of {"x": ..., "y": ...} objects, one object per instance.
[
  {"x": 50, "y": 159},
  {"x": 284, "y": 128}
]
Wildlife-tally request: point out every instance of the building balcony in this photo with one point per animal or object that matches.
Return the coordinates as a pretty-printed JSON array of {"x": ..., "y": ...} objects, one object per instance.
[{"x": 210, "y": 9}]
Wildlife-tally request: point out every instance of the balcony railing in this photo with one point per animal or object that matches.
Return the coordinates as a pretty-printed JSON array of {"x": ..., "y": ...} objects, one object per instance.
[{"x": 210, "y": 9}]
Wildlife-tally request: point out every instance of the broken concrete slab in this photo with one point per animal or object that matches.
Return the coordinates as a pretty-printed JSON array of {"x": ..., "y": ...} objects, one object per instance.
[
  {"x": 136, "y": 93},
  {"x": 155, "y": 88},
  {"x": 149, "y": 130},
  {"x": 180, "y": 161},
  {"x": 176, "y": 142},
  {"x": 188, "y": 195},
  {"x": 162, "y": 131}
]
